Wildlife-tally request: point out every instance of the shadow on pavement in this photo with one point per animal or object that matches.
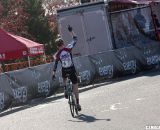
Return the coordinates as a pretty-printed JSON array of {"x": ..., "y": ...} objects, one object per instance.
[{"x": 88, "y": 119}]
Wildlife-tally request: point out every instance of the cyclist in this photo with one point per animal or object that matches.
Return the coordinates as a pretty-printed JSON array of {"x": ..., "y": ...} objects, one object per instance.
[{"x": 64, "y": 55}]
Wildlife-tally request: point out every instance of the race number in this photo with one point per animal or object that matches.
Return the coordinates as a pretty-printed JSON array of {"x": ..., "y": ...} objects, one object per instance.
[{"x": 67, "y": 63}]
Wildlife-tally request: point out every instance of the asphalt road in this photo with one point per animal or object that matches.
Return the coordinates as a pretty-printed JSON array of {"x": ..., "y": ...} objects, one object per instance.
[{"x": 130, "y": 104}]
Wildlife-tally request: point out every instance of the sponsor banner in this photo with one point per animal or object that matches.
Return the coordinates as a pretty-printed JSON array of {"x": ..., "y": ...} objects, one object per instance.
[
  {"x": 44, "y": 87},
  {"x": 2, "y": 56},
  {"x": 36, "y": 50},
  {"x": 134, "y": 27},
  {"x": 20, "y": 94}
]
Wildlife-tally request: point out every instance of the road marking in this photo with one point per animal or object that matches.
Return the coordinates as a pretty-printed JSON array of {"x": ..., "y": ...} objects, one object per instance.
[
  {"x": 106, "y": 110},
  {"x": 140, "y": 99},
  {"x": 114, "y": 107}
]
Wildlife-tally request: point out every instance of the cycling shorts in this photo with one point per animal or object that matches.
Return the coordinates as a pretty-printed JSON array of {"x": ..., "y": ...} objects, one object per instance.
[{"x": 71, "y": 72}]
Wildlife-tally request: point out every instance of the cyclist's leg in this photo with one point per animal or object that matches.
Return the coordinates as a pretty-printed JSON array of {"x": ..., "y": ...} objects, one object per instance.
[
  {"x": 65, "y": 89},
  {"x": 74, "y": 80},
  {"x": 64, "y": 76},
  {"x": 73, "y": 77},
  {"x": 76, "y": 92},
  {"x": 64, "y": 82}
]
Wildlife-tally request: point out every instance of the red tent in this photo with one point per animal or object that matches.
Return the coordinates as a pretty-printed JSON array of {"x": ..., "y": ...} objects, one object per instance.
[{"x": 14, "y": 47}]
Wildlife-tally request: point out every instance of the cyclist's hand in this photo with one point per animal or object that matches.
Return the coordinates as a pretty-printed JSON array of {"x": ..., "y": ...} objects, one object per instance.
[
  {"x": 79, "y": 79},
  {"x": 70, "y": 29},
  {"x": 53, "y": 75}
]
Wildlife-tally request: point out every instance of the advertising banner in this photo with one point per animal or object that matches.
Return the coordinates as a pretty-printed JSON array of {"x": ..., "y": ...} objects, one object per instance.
[{"x": 133, "y": 27}]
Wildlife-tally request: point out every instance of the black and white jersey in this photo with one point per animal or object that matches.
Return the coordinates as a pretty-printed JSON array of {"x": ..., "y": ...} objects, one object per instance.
[{"x": 65, "y": 55}]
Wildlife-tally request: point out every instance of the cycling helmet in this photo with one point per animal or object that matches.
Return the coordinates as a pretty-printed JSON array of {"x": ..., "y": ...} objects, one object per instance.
[{"x": 59, "y": 42}]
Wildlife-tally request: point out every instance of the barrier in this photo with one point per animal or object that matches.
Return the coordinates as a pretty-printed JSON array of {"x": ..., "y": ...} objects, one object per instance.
[{"x": 21, "y": 86}]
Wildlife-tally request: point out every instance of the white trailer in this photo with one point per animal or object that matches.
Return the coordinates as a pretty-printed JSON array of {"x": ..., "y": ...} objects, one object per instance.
[{"x": 90, "y": 23}]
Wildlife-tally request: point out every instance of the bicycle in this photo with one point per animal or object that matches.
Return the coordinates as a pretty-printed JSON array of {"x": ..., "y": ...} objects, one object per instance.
[{"x": 71, "y": 98}]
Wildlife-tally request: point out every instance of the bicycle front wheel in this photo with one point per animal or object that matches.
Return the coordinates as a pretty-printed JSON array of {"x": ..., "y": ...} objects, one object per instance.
[{"x": 72, "y": 105}]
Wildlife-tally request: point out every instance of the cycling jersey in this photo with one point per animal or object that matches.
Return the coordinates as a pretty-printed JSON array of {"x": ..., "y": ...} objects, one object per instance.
[{"x": 65, "y": 56}]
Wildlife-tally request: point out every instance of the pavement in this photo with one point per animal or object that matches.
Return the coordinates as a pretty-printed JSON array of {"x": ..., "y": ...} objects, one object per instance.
[{"x": 127, "y": 103}]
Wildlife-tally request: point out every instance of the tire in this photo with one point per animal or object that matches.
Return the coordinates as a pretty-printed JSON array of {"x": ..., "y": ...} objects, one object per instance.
[{"x": 72, "y": 105}]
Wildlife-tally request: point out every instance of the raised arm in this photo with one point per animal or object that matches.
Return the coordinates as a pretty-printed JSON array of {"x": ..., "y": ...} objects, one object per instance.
[{"x": 74, "y": 41}]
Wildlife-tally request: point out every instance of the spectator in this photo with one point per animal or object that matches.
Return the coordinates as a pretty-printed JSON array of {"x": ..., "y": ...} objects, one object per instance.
[
  {"x": 155, "y": 21},
  {"x": 154, "y": 27},
  {"x": 140, "y": 19}
]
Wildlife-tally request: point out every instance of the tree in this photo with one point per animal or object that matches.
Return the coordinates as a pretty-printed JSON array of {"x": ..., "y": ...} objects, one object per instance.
[
  {"x": 51, "y": 6},
  {"x": 27, "y": 18},
  {"x": 38, "y": 25},
  {"x": 13, "y": 16},
  {"x": 30, "y": 19}
]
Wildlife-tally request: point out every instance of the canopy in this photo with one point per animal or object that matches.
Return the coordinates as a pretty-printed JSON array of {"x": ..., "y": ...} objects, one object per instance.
[{"x": 14, "y": 47}]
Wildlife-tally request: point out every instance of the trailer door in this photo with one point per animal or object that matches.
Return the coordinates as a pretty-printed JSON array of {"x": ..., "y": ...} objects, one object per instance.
[
  {"x": 97, "y": 30},
  {"x": 76, "y": 22}
]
